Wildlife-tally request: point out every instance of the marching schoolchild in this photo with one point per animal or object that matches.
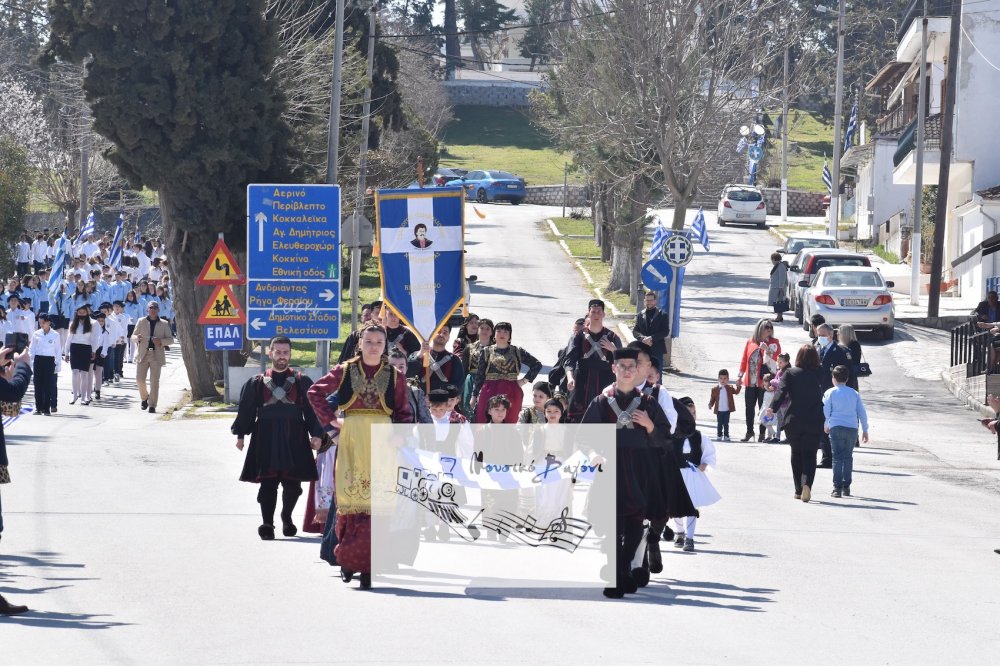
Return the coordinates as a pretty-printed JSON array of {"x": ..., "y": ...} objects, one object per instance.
[{"x": 694, "y": 454}]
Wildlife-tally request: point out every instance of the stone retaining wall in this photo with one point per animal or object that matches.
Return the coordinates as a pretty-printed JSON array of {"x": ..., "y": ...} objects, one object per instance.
[
  {"x": 577, "y": 196},
  {"x": 799, "y": 203}
]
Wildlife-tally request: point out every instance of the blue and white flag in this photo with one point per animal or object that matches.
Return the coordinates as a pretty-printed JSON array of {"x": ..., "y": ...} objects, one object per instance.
[
  {"x": 700, "y": 230},
  {"x": 752, "y": 172},
  {"x": 115, "y": 260},
  {"x": 827, "y": 178},
  {"x": 852, "y": 126},
  {"x": 742, "y": 145},
  {"x": 135, "y": 239},
  {"x": 669, "y": 300},
  {"x": 8, "y": 421},
  {"x": 659, "y": 238},
  {"x": 421, "y": 236},
  {"x": 58, "y": 269},
  {"x": 88, "y": 228},
  {"x": 760, "y": 140}
]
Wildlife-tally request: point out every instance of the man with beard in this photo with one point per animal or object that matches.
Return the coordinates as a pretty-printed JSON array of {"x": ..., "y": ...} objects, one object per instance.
[
  {"x": 443, "y": 368},
  {"x": 276, "y": 413}
]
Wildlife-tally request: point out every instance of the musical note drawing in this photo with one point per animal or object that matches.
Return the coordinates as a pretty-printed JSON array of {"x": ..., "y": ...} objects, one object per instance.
[{"x": 563, "y": 532}]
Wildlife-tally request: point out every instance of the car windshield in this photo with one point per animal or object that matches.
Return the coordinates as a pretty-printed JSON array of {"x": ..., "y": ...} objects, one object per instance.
[
  {"x": 852, "y": 279},
  {"x": 793, "y": 245},
  {"x": 743, "y": 195},
  {"x": 502, "y": 175}
]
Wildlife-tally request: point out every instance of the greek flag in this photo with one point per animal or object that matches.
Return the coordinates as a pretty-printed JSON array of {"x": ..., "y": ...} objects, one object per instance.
[
  {"x": 827, "y": 178},
  {"x": 852, "y": 126},
  {"x": 699, "y": 229},
  {"x": 8, "y": 421},
  {"x": 421, "y": 234},
  {"x": 88, "y": 228},
  {"x": 659, "y": 238},
  {"x": 116, "y": 245},
  {"x": 58, "y": 269},
  {"x": 741, "y": 146}
]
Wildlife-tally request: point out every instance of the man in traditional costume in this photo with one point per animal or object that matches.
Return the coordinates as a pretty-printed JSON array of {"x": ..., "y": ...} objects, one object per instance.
[
  {"x": 588, "y": 363},
  {"x": 443, "y": 367},
  {"x": 275, "y": 412},
  {"x": 369, "y": 391}
]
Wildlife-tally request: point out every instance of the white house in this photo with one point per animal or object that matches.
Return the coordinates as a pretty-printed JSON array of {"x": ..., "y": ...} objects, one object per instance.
[{"x": 975, "y": 165}]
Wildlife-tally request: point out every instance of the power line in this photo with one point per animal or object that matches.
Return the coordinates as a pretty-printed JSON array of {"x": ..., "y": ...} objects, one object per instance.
[
  {"x": 15, "y": 8},
  {"x": 441, "y": 55}
]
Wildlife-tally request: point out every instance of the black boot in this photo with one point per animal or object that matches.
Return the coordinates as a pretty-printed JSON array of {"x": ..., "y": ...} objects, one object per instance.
[
  {"x": 266, "y": 532},
  {"x": 290, "y": 492},
  {"x": 346, "y": 575},
  {"x": 654, "y": 555},
  {"x": 366, "y": 581},
  {"x": 7, "y": 608},
  {"x": 760, "y": 434}
]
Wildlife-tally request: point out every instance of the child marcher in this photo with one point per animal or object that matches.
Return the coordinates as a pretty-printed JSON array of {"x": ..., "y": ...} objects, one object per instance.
[
  {"x": 694, "y": 454},
  {"x": 769, "y": 421},
  {"x": 843, "y": 409},
  {"x": 723, "y": 404},
  {"x": 783, "y": 361}
]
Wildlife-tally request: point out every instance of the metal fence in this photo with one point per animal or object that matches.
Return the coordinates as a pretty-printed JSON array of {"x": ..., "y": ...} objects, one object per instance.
[{"x": 970, "y": 347}]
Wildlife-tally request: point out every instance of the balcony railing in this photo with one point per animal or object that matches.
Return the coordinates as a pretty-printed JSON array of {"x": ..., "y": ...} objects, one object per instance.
[
  {"x": 916, "y": 9},
  {"x": 908, "y": 139},
  {"x": 896, "y": 120}
]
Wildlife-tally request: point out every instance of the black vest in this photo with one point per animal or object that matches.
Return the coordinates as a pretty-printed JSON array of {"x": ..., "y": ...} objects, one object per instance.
[{"x": 684, "y": 458}]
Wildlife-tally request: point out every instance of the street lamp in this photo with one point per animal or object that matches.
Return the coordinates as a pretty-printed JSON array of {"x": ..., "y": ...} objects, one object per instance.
[{"x": 837, "y": 112}]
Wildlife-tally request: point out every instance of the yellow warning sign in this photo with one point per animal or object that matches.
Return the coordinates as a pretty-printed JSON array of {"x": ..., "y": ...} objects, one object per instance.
[
  {"x": 222, "y": 308},
  {"x": 221, "y": 267}
]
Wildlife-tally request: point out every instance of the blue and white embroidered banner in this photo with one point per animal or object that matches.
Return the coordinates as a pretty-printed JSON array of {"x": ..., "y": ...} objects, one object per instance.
[{"x": 421, "y": 236}]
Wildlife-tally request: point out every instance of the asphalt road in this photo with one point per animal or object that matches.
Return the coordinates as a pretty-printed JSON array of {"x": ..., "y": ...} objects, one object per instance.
[{"x": 135, "y": 543}]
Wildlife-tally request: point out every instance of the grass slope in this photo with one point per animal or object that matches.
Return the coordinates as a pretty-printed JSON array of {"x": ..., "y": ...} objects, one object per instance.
[
  {"x": 485, "y": 137},
  {"x": 810, "y": 138}
]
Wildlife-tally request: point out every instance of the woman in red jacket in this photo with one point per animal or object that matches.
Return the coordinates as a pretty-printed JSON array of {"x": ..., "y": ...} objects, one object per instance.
[{"x": 759, "y": 356}]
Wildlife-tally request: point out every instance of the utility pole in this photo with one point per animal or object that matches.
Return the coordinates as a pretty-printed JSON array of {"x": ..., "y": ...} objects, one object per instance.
[
  {"x": 837, "y": 113},
  {"x": 362, "y": 173},
  {"x": 784, "y": 139},
  {"x": 918, "y": 188},
  {"x": 944, "y": 174},
  {"x": 333, "y": 145}
]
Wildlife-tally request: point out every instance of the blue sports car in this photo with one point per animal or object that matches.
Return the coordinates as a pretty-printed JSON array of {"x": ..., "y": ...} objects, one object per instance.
[{"x": 486, "y": 186}]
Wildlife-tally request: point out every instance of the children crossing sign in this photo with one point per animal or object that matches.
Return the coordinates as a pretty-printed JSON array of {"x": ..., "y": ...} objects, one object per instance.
[
  {"x": 221, "y": 267},
  {"x": 222, "y": 308}
]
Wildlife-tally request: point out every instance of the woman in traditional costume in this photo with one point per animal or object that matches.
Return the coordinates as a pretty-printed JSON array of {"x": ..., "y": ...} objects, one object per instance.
[
  {"x": 470, "y": 359},
  {"x": 369, "y": 391},
  {"x": 497, "y": 371}
]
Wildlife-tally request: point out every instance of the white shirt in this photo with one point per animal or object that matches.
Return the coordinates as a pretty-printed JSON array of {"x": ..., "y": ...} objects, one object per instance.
[
  {"x": 144, "y": 264},
  {"x": 724, "y": 405},
  {"x": 665, "y": 400},
  {"x": 23, "y": 252},
  {"x": 707, "y": 450},
  {"x": 38, "y": 250},
  {"x": 104, "y": 336},
  {"x": 91, "y": 248},
  {"x": 119, "y": 324},
  {"x": 81, "y": 338},
  {"x": 46, "y": 344},
  {"x": 22, "y": 321}
]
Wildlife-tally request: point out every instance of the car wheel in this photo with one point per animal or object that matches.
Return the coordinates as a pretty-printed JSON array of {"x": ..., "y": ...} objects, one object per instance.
[
  {"x": 889, "y": 332},
  {"x": 481, "y": 196},
  {"x": 515, "y": 202},
  {"x": 721, "y": 223},
  {"x": 761, "y": 225}
]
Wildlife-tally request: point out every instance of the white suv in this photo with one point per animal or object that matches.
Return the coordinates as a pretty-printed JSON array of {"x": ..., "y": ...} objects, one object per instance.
[{"x": 743, "y": 204}]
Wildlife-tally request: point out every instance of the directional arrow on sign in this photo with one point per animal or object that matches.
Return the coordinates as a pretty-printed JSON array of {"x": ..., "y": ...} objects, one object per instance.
[
  {"x": 258, "y": 324},
  {"x": 261, "y": 220},
  {"x": 327, "y": 295}
]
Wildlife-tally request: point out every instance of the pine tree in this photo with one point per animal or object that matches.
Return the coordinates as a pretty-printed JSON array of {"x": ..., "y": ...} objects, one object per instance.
[{"x": 181, "y": 89}]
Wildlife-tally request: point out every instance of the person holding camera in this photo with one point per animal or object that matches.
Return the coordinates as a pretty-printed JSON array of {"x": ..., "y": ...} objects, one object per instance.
[{"x": 13, "y": 383}]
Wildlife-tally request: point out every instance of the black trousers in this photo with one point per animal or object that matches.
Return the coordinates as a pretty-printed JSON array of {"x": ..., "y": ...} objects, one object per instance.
[
  {"x": 803, "y": 446},
  {"x": 267, "y": 497},
  {"x": 45, "y": 384},
  {"x": 120, "y": 359},
  {"x": 754, "y": 397},
  {"x": 628, "y": 535}
]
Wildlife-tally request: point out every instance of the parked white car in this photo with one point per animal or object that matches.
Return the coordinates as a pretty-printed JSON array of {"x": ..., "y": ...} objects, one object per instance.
[
  {"x": 742, "y": 204},
  {"x": 855, "y": 295},
  {"x": 798, "y": 242}
]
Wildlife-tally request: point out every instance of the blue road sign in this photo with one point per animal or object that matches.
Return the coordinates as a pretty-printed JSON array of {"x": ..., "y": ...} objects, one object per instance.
[
  {"x": 755, "y": 153},
  {"x": 293, "y": 261},
  {"x": 657, "y": 274},
  {"x": 222, "y": 337}
]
